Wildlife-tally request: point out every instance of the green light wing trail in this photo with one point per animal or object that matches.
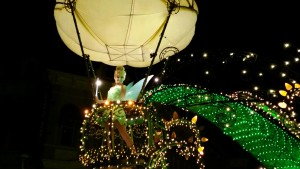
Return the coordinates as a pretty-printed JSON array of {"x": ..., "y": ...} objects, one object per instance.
[{"x": 271, "y": 144}]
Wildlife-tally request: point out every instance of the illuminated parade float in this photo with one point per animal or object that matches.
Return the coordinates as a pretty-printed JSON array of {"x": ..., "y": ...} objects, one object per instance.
[{"x": 162, "y": 120}]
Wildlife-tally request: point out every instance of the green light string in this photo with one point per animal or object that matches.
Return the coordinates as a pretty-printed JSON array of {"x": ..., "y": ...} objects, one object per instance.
[{"x": 271, "y": 144}]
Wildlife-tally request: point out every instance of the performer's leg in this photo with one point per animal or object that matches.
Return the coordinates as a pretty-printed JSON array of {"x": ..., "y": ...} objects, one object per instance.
[{"x": 126, "y": 137}]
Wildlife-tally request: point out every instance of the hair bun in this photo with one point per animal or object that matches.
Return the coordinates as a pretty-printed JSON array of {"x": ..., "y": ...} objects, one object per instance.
[{"x": 120, "y": 68}]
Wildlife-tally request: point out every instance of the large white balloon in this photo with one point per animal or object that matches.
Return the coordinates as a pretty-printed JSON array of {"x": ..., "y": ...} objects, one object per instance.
[{"x": 125, "y": 32}]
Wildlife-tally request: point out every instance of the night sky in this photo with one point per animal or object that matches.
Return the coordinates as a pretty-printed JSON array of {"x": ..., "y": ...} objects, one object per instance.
[{"x": 222, "y": 26}]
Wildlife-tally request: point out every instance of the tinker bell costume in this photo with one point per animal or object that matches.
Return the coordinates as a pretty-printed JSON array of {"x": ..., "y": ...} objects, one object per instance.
[
  {"x": 114, "y": 94},
  {"x": 118, "y": 113}
]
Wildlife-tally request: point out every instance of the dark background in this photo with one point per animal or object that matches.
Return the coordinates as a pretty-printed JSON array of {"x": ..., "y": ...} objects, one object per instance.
[{"x": 29, "y": 33}]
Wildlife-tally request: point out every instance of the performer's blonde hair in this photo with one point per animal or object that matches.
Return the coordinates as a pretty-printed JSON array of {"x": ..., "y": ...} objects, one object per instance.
[{"x": 121, "y": 71}]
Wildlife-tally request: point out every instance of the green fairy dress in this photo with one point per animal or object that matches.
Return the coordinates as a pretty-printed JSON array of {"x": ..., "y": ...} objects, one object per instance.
[{"x": 118, "y": 113}]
